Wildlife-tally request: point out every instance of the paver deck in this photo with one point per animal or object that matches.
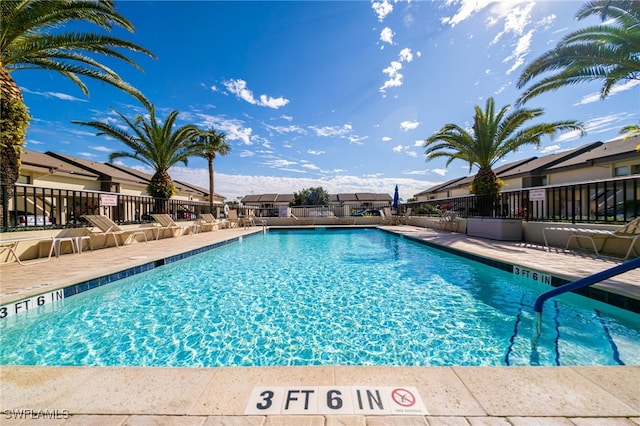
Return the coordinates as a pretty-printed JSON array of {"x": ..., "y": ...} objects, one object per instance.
[{"x": 218, "y": 396}]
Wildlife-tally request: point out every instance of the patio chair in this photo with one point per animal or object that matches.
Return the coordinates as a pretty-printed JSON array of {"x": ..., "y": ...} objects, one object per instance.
[
  {"x": 108, "y": 228},
  {"x": 166, "y": 223},
  {"x": 75, "y": 237},
  {"x": 208, "y": 222},
  {"x": 448, "y": 220},
  {"x": 233, "y": 219},
  {"x": 404, "y": 219},
  {"x": 630, "y": 231},
  {"x": 387, "y": 217},
  {"x": 307, "y": 221}
]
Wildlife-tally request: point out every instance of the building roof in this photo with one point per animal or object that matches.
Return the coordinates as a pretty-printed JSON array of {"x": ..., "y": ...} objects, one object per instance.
[
  {"x": 465, "y": 181},
  {"x": 334, "y": 198},
  {"x": 51, "y": 165},
  {"x": 538, "y": 165},
  {"x": 106, "y": 172},
  {"x": 603, "y": 153}
]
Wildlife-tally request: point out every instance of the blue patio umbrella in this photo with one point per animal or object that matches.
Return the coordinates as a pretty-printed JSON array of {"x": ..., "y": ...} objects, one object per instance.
[{"x": 396, "y": 198}]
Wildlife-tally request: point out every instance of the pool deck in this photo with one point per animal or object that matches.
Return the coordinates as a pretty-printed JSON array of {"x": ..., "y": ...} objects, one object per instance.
[{"x": 219, "y": 396}]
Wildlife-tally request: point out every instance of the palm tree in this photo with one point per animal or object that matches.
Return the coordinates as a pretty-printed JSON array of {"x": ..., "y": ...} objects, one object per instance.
[
  {"x": 492, "y": 138},
  {"x": 153, "y": 143},
  {"x": 609, "y": 52},
  {"x": 630, "y": 131},
  {"x": 208, "y": 144},
  {"x": 31, "y": 38}
]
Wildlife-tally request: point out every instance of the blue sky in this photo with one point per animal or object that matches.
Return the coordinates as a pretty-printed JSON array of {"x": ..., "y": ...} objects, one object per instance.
[{"x": 326, "y": 93}]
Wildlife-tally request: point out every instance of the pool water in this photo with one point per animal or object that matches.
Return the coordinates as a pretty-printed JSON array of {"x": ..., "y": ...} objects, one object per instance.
[{"x": 323, "y": 297}]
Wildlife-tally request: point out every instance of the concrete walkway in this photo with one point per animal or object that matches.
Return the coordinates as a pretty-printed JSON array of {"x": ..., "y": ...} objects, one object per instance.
[{"x": 221, "y": 396}]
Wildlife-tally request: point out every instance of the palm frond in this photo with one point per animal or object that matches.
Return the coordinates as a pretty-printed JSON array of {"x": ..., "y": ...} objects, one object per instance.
[{"x": 607, "y": 52}]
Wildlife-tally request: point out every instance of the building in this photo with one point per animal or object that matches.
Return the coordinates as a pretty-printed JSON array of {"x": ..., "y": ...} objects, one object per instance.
[
  {"x": 62, "y": 171},
  {"x": 589, "y": 162}
]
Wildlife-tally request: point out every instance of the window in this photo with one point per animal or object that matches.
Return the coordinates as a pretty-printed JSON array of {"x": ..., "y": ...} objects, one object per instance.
[
  {"x": 24, "y": 179},
  {"x": 621, "y": 171},
  {"x": 635, "y": 169}
]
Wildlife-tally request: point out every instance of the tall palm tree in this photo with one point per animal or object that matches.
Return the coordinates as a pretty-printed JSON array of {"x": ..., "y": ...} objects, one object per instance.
[
  {"x": 208, "y": 144},
  {"x": 32, "y": 37},
  {"x": 153, "y": 143},
  {"x": 492, "y": 138},
  {"x": 609, "y": 52}
]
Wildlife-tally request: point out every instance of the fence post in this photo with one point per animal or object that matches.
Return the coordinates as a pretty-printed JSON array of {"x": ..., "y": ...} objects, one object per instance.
[{"x": 5, "y": 209}]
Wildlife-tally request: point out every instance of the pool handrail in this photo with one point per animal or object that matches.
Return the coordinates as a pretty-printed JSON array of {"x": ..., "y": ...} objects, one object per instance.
[
  {"x": 586, "y": 281},
  {"x": 574, "y": 285}
]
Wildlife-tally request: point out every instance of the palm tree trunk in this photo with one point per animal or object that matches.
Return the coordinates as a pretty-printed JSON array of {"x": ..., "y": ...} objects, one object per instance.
[
  {"x": 485, "y": 185},
  {"x": 161, "y": 188},
  {"x": 210, "y": 184},
  {"x": 13, "y": 128}
]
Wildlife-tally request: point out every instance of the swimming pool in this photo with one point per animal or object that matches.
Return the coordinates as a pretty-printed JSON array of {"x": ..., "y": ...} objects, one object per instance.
[{"x": 323, "y": 297}]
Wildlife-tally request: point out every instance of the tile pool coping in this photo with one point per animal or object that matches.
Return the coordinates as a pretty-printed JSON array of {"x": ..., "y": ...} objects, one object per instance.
[{"x": 452, "y": 395}]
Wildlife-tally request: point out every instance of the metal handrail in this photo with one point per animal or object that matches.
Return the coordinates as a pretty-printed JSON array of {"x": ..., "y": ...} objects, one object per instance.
[{"x": 582, "y": 282}]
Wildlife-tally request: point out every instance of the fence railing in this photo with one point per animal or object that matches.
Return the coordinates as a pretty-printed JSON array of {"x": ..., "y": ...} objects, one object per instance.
[
  {"x": 598, "y": 201},
  {"x": 31, "y": 207},
  {"x": 27, "y": 206}
]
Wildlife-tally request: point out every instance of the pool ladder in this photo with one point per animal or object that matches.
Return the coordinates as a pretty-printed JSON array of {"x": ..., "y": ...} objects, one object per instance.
[{"x": 583, "y": 282}]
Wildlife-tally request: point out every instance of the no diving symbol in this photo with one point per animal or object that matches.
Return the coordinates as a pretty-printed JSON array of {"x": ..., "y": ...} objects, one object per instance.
[{"x": 403, "y": 397}]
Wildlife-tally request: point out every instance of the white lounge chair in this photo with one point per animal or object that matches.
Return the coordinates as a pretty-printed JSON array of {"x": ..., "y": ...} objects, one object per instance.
[
  {"x": 404, "y": 219},
  {"x": 208, "y": 222},
  {"x": 165, "y": 222},
  {"x": 448, "y": 220},
  {"x": 233, "y": 219},
  {"x": 387, "y": 217},
  {"x": 108, "y": 228},
  {"x": 630, "y": 231}
]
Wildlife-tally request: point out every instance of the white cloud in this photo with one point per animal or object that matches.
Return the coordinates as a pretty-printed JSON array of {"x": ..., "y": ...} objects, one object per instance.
[
  {"x": 236, "y": 186},
  {"x": 409, "y": 125},
  {"x": 440, "y": 172},
  {"x": 395, "y": 78},
  {"x": 382, "y": 9},
  {"x": 520, "y": 52},
  {"x": 467, "y": 9},
  {"x": 331, "y": 131},
  {"x": 233, "y": 128},
  {"x": 393, "y": 70},
  {"x": 313, "y": 152},
  {"x": 386, "y": 139},
  {"x": 386, "y": 35},
  {"x": 57, "y": 95},
  {"x": 239, "y": 88},
  {"x": 311, "y": 166},
  {"x": 594, "y": 97},
  {"x": 550, "y": 149},
  {"x": 406, "y": 55},
  {"x": 357, "y": 139},
  {"x": 102, "y": 149},
  {"x": 516, "y": 19},
  {"x": 286, "y": 129}
]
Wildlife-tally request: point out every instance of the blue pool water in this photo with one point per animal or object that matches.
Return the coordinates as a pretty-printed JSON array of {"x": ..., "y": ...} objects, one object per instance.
[{"x": 332, "y": 297}]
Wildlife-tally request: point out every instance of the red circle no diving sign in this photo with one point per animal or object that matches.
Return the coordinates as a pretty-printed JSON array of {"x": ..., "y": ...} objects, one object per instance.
[{"x": 403, "y": 397}]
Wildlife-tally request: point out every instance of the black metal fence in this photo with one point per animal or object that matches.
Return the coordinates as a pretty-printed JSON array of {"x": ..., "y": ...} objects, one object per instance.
[
  {"x": 27, "y": 206},
  {"x": 598, "y": 201}
]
